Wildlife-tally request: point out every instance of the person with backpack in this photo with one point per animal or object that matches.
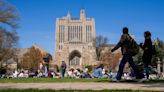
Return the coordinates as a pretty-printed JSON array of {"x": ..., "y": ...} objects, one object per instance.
[
  {"x": 126, "y": 49},
  {"x": 148, "y": 52}
]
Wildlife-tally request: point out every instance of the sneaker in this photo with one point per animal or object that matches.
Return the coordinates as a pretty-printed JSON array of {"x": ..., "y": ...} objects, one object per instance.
[
  {"x": 143, "y": 80},
  {"x": 115, "y": 80}
]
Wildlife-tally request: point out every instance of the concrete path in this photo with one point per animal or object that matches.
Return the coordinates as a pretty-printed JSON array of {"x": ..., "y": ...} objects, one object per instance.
[{"x": 84, "y": 86}]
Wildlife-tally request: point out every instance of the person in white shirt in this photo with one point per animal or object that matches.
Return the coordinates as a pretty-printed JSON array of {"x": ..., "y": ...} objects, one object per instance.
[{"x": 15, "y": 74}]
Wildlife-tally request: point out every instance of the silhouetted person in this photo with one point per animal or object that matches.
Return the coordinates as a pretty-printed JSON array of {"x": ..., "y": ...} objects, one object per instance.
[
  {"x": 124, "y": 43},
  {"x": 147, "y": 55},
  {"x": 63, "y": 68}
]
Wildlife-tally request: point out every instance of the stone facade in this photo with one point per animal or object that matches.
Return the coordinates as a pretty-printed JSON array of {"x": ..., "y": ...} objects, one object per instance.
[{"x": 75, "y": 40}]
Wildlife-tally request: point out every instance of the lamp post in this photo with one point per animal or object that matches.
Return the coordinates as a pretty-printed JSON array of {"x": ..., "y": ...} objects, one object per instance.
[{"x": 158, "y": 66}]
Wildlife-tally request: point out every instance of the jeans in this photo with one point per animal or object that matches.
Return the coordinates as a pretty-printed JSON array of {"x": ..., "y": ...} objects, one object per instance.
[
  {"x": 146, "y": 70},
  {"x": 63, "y": 72},
  {"x": 146, "y": 60},
  {"x": 128, "y": 58},
  {"x": 97, "y": 73}
]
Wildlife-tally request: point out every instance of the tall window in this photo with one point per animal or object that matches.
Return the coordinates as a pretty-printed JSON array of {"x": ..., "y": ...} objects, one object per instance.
[
  {"x": 60, "y": 47},
  {"x": 81, "y": 35},
  {"x": 61, "y": 33},
  {"x": 68, "y": 33},
  {"x": 88, "y": 33}
]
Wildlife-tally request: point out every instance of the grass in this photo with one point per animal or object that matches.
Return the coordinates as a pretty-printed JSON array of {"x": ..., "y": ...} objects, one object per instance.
[
  {"x": 49, "y": 80},
  {"x": 53, "y": 80},
  {"x": 48, "y": 90}
]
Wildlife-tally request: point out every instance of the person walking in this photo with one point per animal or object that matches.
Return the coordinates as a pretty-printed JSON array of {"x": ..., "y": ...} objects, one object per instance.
[
  {"x": 148, "y": 52},
  {"x": 63, "y": 68},
  {"x": 124, "y": 43}
]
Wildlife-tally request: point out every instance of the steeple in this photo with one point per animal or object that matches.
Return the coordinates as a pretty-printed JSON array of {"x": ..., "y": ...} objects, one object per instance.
[
  {"x": 68, "y": 15},
  {"x": 82, "y": 14}
]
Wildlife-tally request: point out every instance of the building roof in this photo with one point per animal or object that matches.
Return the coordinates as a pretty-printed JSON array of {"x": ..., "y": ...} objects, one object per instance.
[{"x": 11, "y": 61}]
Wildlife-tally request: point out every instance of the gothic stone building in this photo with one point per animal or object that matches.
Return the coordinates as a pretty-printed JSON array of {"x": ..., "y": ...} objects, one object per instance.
[{"x": 75, "y": 40}]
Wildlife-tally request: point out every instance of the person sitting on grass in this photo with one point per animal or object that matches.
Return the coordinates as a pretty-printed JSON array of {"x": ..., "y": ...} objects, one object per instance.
[
  {"x": 97, "y": 73},
  {"x": 77, "y": 73},
  {"x": 87, "y": 75},
  {"x": 21, "y": 75},
  {"x": 15, "y": 74},
  {"x": 70, "y": 73}
]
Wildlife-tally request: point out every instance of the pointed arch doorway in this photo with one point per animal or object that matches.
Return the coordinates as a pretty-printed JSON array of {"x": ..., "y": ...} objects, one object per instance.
[{"x": 75, "y": 58}]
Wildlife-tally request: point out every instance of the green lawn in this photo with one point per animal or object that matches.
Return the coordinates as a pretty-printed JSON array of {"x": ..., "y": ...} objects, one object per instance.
[
  {"x": 53, "y": 80},
  {"x": 48, "y": 90},
  {"x": 49, "y": 80}
]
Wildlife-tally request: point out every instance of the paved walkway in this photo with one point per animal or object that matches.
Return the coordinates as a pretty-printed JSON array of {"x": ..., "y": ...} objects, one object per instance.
[{"x": 84, "y": 86}]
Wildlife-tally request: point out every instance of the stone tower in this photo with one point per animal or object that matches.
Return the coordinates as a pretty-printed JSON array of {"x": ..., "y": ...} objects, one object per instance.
[{"x": 75, "y": 40}]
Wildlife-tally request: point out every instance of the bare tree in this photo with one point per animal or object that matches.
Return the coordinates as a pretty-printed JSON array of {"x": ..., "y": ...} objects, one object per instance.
[
  {"x": 8, "y": 35},
  {"x": 8, "y": 15},
  {"x": 101, "y": 42},
  {"x": 8, "y": 40}
]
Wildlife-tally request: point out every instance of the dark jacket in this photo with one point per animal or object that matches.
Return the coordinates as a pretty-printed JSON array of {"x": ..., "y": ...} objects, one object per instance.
[
  {"x": 63, "y": 66},
  {"x": 124, "y": 43},
  {"x": 147, "y": 47}
]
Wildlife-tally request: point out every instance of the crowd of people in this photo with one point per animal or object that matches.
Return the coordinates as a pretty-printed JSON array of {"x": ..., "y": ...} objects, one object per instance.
[{"x": 99, "y": 71}]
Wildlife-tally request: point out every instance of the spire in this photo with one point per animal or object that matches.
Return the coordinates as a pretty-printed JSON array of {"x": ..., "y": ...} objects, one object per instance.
[
  {"x": 82, "y": 14},
  {"x": 68, "y": 15}
]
